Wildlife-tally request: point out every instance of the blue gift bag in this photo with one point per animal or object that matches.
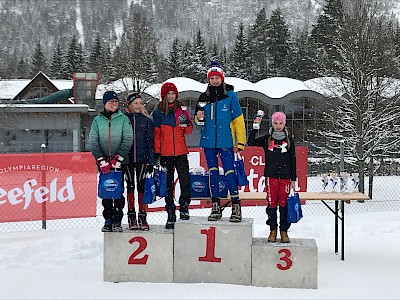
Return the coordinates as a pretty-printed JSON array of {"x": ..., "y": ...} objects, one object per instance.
[
  {"x": 160, "y": 178},
  {"x": 294, "y": 212},
  {"x": 199, "y": 186},
  {"x": 240, "y": 173},
  {"x": 149, "y": 195},
  {"x": 110, "y": 185}
]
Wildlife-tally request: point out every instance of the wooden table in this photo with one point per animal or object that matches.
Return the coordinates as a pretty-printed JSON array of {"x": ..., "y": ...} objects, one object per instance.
[{"x": 259, "y": 198}]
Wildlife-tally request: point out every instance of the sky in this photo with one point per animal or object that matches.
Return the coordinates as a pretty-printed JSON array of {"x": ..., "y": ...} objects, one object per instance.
[{"x": 68, "y": 264}]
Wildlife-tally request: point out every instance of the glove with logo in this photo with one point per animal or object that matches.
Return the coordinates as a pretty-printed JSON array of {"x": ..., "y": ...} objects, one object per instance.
[
  {"x": 103, "y": 165},
  {"x": 183, "y": 120},
  {"x": 116, "y": 162}
]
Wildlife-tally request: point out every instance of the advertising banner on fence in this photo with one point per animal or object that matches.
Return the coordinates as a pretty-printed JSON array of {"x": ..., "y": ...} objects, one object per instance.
[
  {"x": 254, "y": 162},
  {"x": 47, "y": 186},
  {"x": 64, "y": 185}
]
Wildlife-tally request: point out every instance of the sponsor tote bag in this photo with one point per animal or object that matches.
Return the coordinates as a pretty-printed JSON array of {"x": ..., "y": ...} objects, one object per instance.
[
  {"x": 240, "y": 172},
  {"x": 294, "y": 212},
  {"x": 110, "y": 185}
]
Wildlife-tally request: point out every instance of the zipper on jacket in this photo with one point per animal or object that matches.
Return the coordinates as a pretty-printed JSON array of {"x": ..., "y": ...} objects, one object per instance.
[
  {"x": 134, "y": 140},
  {"x": 109, "y": 138},
  {"x": 215, "y": 119}
]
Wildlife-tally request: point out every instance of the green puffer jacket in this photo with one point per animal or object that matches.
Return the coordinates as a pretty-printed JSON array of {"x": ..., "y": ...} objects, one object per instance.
[{"x": 108, "y": 137}]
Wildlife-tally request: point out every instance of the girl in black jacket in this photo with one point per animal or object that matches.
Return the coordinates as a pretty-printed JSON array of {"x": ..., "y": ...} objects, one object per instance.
[
  {"x": 279, "y": 172},
  {"x": 141, "y": 160}
]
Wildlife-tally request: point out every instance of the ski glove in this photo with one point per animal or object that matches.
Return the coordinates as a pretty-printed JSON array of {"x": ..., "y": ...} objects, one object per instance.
[
  {"x": 183, "y": 120},
  {"x": 116, "y": 162},
  {"x": 103, "y": 165}
]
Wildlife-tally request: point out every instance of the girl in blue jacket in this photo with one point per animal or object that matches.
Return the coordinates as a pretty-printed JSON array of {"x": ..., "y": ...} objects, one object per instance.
[
  {"x": 141, "y": 160},
  {"x": 223, "y": 134}
]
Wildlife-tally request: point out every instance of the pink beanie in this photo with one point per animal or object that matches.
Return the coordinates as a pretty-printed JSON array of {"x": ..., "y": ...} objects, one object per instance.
[{"x": 279, "y": 116}]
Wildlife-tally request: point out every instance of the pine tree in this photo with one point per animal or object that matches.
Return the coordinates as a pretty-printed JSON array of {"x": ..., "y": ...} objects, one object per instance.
[
  {"x": 139, "y": 57},
  {"x": 198, "y": 63},
  {"x": 278, "y": 43},
  {"x": 175, "y": 62},
  {"x": 75, "y": 58},
  {"x": 258, "y": 41},
  {"x": 38, "y": 61},
  {"x": 23, "y": 68},
  {"x": 57, "y": 67},
  {"x": 240, "y": 55},
  {"x": 97, "y": 58},
  {"x": 325, "y": 36}
]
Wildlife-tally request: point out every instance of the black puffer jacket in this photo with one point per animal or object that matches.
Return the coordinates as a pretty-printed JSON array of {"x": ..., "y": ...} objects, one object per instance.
[
  {"x": 278, "y": 164},
  {"x": 142, "y": 149}
]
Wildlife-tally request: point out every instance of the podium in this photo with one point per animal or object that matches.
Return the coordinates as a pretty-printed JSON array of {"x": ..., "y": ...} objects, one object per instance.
[
  {"x": 139, "y": 256},
  {"x": 212, "y": 252}
]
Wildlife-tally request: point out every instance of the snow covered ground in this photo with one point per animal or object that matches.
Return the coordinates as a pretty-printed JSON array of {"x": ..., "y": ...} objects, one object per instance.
[{"x": 69, "y": 265}]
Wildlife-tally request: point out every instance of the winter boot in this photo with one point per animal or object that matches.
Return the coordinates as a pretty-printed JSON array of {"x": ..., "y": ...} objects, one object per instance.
[
  {"x": 236, "y": 216},
  {"x": 284, "y": 237},
  {"x": 107, "y": 226},
  {"x": 171, "y": 216},
  {"x": 131, "y": 212},
  {"x": 216, "y": 213},
  {"x": 184, "y": 210},
  {"x": 272, "y": 236},
  {"x": 116, "y": 227},
  {"x": 133, "y": 225},
  {"x": 143, "y": 225}
]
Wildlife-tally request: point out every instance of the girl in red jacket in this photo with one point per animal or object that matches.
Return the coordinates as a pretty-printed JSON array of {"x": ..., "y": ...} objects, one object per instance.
[{"x": 171, "y": 124}]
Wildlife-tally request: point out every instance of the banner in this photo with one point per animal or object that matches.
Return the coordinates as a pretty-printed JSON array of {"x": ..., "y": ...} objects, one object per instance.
[
  {"x": 46, "y": 186},
  {"x": 254, "y": 163}
]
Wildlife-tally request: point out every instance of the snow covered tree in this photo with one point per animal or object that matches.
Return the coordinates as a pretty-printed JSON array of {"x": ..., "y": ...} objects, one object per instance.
[
  {"x": 58, "y": 66},
  {"x": 139, "y": 58},
  {"x": 175, "y": 61},
  {"x": 300, "y": 59},
  {"x": 278, "y": 43},
  {"x": 365, "y": 110},
  {"x": 38, "y": 62},
  {"x": 326, "y": 32},
  {"x": 240, "y": 55},
  {"x": 97, "y": 59},
  {"x": 75, "y": 58},
  {"x": 23, "y": 68},
  {"x": 199, "y": 61},
  {"x": 258, "y": 41}
]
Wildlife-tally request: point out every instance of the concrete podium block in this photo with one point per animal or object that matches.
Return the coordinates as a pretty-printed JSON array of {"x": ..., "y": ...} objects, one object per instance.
[
  {"x": 291, "y": 265},
  {"x": 213, "y": 252},
  {"x": 139, "y": 256}
]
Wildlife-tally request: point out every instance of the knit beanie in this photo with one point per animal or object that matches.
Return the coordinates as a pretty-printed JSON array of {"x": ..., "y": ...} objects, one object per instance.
[
  {"x": 166, "y": 87},
  {"x": 215, "y": 69},
  {"x": 279, "y": 116},
  {"x": 132, "y": 97},
  {"x": 109, "y": 95}
]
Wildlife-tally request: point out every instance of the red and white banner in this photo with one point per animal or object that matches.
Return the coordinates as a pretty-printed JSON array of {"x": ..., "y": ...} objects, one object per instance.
[
  {"x": 47, "y": 186},
  {"x": 254, "y": 163},
  {"x": 64, "y": 185}
]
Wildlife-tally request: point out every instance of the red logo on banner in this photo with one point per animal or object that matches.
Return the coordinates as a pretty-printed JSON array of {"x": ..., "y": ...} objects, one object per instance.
[{"x": 47, "y": 186}]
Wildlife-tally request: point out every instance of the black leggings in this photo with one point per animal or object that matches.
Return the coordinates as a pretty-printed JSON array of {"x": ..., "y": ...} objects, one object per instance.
[
  {"x": 138, "y": 170},
  {"x": 181, "y": 164}
]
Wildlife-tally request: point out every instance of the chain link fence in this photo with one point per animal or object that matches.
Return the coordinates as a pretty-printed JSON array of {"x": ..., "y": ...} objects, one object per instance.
[{"x": 386, "y": 197}]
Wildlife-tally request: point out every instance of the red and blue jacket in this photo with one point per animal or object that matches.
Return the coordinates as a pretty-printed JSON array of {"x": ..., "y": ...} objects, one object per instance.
[{"x": 169, "y": 137}]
